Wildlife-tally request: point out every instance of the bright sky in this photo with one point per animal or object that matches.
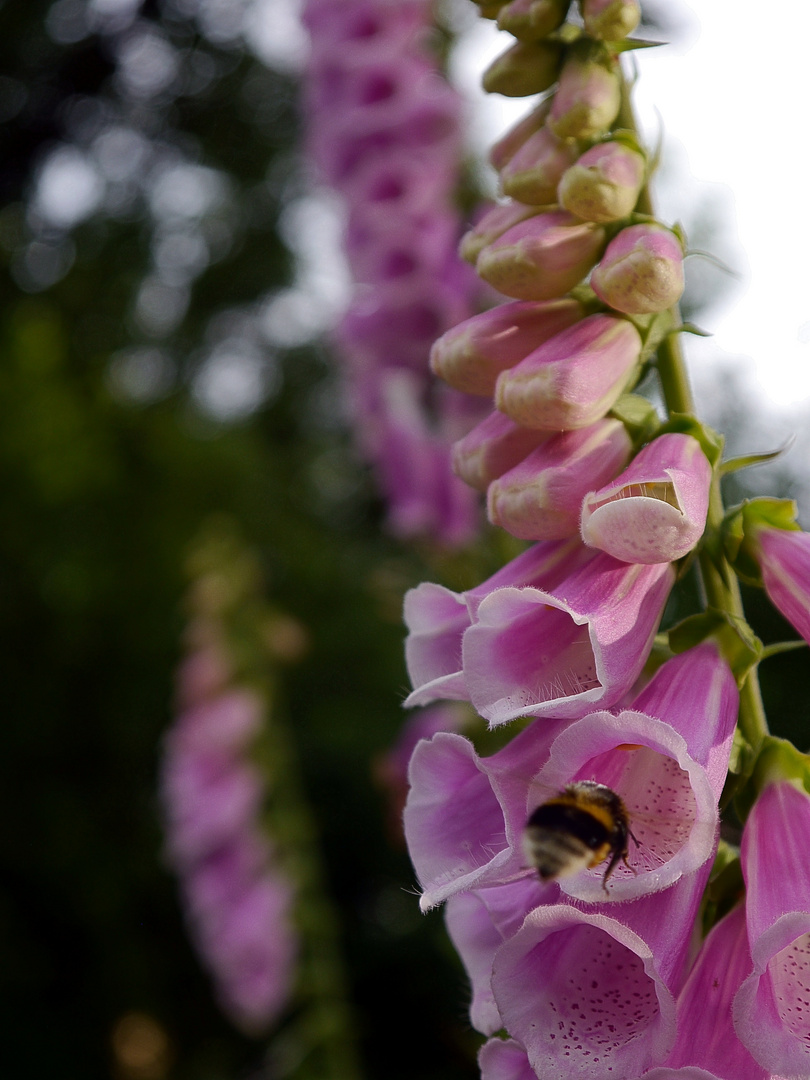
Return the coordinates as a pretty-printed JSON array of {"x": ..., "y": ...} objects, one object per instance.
[{"x": 736, "y": 94}]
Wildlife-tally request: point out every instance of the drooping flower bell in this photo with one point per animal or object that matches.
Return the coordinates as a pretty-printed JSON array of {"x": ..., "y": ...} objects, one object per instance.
[{"x": 654, "y": 511}]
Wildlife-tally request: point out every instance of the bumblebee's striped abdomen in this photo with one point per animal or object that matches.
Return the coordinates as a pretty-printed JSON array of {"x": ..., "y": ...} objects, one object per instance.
[{"x": 578, "y": 828}]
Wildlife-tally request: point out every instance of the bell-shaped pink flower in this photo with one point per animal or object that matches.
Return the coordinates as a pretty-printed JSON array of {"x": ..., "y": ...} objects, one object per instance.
[
  {"x": 567, "y": 650},
  {"x": 478, "y": 923},
  {"x": 666, "y": 757},
  {"x": 540, "y": 498},
  {"x": 641, "y": 271},
  {"x": 655, "y": 511},
  {"x": 707, "y": 1045},
  {"x": 492, "y": 224},
  {"x": 784, "y": 561},
  {"x": 465, "y": 814},
  {"x": 588, "y": 98},
  {"x": 590, "y": 993},
  {"x": 437, "y": 618},
  {"x": 610, "y": 20},
  {"x": 604, "y": 184},
  {"x": 535, "y": 170},
  {"x": 527, "y": 67},
  {"x": 493, "y": 447},
  {"x": 471, "y": 355},
  {"x": 572, "y": 380},
  {"x": 772, "y": 1008},
  {"x": 542, "y": 257}
]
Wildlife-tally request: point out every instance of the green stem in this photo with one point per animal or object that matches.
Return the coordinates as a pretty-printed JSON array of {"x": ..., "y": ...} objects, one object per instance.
[{"x": 720, "y": 585}]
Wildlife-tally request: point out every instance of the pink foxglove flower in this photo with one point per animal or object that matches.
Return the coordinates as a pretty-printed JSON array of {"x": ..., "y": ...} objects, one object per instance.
[
  {"x": 493, "y": 447},
  {"x": 784, "y": 561},
  {"x": 655, "y": 511},
  {"x": 471, "y": 356},
  {"x": 465, "y": 815},
  {"x": 574, "y": 378},
  {"x": 771, "y": 1010},
  {"x": 540, "y": 498},
  {"x": 641, "y": 270},
  {"x": 542, "y": 257},
  {"x": 565, "y": 651},
  {"x": 437, "y": 618},
  {"x": 666, "y": 757},
  {"x": 590, "y": 992},
  {"x": 478, "y": 923},
  {"x": 706, "y": 1037},
  {"x": 604, "y": 184},
  {"x": 509, "y": 143}
]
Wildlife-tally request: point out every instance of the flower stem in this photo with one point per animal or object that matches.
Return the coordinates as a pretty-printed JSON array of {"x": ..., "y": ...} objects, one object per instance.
[{"x": 720, "y": 584}]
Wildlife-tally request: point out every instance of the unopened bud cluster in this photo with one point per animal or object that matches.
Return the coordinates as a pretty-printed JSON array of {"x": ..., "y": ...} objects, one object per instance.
[{"x": 592, "y": 284}]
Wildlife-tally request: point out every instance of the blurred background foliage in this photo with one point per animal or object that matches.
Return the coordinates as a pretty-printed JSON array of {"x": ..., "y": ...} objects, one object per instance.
[{"x": 164, "y": 283}]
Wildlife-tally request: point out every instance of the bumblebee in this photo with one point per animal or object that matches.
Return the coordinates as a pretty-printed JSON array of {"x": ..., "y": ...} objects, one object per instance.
[{"x": 577, "y": 829}]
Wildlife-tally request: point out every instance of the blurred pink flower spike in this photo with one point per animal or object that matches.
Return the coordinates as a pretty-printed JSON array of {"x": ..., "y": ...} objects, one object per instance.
[
  {"x": 471, "y": 355},
  {"x": 574, "y": 378},
  {"x": 465, "y": 814},
  {"x": 641, "y": 271},
  {"x": 655, "y": 511},
  {"x": 591, "y": 996},
  {"x": 541, "y": 257},
  {"x": 540, "y": 498},
  {"x": 772, "y": 1008},
  {"x": 666, "y": 756},
  {"x": 437, "y": 618},
  {"x": 493, "y": 447},
  {"x": 784, "y": 561},
  {"x": 566, "y": 651},
  {"x": 707, "y": 1045}
]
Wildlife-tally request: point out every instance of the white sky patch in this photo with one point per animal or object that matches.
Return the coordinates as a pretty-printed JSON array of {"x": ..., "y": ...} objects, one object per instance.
[{"x": 68, "y": 188}]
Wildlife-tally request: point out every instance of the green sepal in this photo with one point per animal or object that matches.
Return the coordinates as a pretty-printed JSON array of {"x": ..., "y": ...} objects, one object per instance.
[
  {"x": 778, "y": 759},
  {"x": 653, "y": 329},
  {"x": 639, "y": 416},
  {"x": 737, "y": 642},
  {"x": 747, "y": 460},
  {"x": 739, "y": 528},
  {"x": 692, "y": 328},
  {"x": 629, "y": 44},
  {"x": 680, "y": 232},
  {"x": 779, "y": 647},
  {"x": 625, "y": 137},
  {"x": 711, "y": 441}
]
